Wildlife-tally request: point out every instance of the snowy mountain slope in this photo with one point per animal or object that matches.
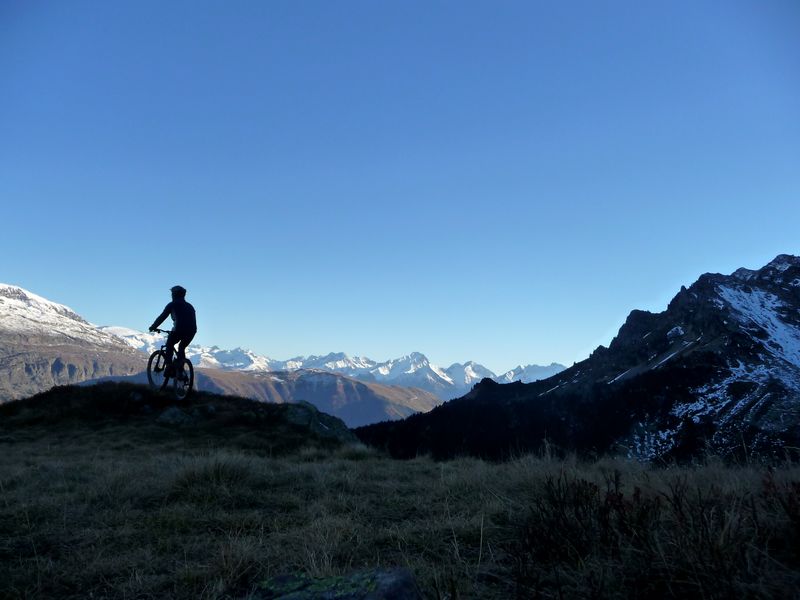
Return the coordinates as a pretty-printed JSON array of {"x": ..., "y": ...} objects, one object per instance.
[
  {"x": 744, "y": 330},
  {"x": 718, "y": 369},
  {"x": 43, "y": 343},
  {"x": 25, "y": 313},
  {"x": 138, "y": 340}
]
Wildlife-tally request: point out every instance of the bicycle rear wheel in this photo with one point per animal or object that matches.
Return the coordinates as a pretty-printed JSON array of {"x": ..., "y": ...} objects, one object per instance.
[
  {"x": 155, "y": 369},
  {"x": 184, "y": 379}
]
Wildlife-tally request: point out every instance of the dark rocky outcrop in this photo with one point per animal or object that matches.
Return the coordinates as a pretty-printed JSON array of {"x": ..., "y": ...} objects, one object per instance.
[
  {"x": 378, "y": 584},
  {"x": 719, "y": 369},
  {"x": 306, "y": 415}
]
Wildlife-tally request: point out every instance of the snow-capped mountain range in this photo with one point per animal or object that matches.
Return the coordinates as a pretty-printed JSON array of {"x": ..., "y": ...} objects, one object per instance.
[
  {"x": 38, "y": 322},
  {"x": 411, "y": 370}
]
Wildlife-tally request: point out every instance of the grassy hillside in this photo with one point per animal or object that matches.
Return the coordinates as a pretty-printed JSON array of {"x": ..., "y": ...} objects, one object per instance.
[{"x": 99, "y": 498}]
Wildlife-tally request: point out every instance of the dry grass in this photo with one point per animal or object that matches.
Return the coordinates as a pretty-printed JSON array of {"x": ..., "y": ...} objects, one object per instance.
[{"x": 95, "y": 512}]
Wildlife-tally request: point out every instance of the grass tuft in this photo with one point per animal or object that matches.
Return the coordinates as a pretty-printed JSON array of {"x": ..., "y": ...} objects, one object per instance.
[{"x": 223, "y": 478}]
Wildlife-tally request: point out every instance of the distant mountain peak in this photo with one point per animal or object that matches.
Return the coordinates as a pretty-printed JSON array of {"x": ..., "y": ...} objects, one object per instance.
[
  {"x": 783, "y": 262},
  {"x": 531, "y": 373},
  {"x": 773, "y": 268},
  {"x": 414, "y": 356}
]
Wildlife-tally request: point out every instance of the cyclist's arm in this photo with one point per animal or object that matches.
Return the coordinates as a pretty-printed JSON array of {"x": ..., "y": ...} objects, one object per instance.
[{"x": 160, "y": 319}]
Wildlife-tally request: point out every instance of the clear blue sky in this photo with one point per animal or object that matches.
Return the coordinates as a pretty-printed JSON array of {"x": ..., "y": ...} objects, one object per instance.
[{"x": 495, "y": 181}]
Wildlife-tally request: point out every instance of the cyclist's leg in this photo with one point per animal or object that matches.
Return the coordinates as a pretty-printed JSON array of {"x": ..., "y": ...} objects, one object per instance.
[
  {"x": 172, "y": 339},
  {"x": 185, "y": 340}
]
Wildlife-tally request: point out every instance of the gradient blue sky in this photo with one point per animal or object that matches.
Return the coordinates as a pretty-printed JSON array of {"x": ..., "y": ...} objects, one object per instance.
[{"x": 494, "y": 181}]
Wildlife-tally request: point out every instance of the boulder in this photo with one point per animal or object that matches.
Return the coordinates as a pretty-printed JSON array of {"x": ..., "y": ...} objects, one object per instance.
[
  {"x": 376, "y": 584},
  {"x": 174, "y": 416},
  {"x": 306, "y": 415}
]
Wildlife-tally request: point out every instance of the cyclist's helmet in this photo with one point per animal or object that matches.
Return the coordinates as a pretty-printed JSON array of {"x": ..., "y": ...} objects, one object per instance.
[{"x": 178, "y": 291}]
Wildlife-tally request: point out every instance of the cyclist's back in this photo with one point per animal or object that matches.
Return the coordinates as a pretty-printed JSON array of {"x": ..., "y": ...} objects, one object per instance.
[{"x": 183, "y": 315}]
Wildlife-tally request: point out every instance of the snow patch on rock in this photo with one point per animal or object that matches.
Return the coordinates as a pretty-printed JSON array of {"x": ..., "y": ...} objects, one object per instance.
[{"x": 764, "y": 310}]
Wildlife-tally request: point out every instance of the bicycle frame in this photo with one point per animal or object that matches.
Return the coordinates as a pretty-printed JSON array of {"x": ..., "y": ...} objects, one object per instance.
[{"x": 165, "y": 344}]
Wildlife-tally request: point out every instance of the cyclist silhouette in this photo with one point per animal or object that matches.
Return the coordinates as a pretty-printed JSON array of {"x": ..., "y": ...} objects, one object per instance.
[{"x": 184, "y": 328}]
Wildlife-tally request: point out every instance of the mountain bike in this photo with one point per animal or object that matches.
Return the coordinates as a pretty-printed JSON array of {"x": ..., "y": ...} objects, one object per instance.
[{"x": 182, "y": 376}]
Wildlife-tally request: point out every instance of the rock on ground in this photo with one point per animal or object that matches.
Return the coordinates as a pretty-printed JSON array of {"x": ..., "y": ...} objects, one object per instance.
[{"x": 378, "y": 584}]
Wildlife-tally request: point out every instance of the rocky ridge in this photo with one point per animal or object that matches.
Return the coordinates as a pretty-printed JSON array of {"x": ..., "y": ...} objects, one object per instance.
[{"x": 719, "y": 369}]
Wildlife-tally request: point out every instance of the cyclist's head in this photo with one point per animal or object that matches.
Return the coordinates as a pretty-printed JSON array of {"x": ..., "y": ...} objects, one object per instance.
[{"x": 178, "y": 292}]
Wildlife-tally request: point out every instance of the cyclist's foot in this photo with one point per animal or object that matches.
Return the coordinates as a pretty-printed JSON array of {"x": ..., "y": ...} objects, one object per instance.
[{"x": 169, "y": 371}]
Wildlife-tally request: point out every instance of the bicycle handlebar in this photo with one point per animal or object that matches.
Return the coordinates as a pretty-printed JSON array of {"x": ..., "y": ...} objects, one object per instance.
[{"x": 160, "y": 330}]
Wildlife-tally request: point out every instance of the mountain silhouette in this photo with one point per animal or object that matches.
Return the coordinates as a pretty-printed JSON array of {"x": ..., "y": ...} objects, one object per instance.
[{"x": 718, "y": 370}]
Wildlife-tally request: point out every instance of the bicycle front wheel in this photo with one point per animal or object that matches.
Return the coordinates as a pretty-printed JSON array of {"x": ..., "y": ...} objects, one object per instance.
[
  {"x": 184, "y": 379},
  {"x": 155, "y": 369}
]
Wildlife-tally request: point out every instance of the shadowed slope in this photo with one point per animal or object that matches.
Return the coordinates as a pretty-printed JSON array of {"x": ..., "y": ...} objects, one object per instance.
[{"x": 141, "y": 415}]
